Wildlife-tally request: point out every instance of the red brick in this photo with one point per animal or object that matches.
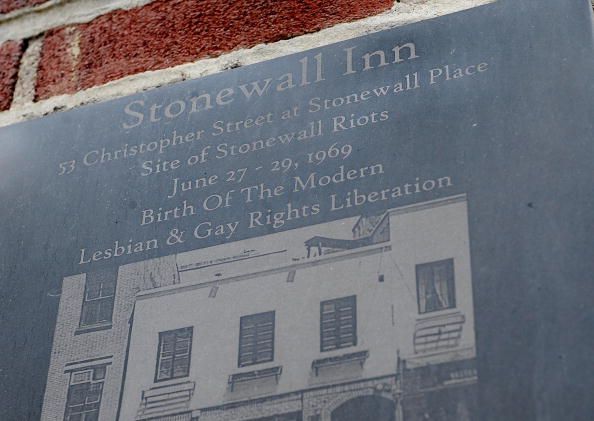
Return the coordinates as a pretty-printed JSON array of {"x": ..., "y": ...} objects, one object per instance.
[
  {"x": 10, "y": 56},
  {"x": 166, "y": 33},
  {"x": 57, "y": 69},
  {"x": 10, "y": 5}
]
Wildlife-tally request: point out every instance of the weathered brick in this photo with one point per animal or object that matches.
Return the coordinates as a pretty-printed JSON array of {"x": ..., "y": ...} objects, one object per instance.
[
  {"x": 57, "y": 67},
  {"x": 166, "y": 33},
  {"x": 10, "y": 56},
  {"x": 10, "y": 5}
]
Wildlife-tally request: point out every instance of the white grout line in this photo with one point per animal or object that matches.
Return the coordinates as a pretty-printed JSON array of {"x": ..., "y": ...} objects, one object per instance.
[
  {"x": 17, "y": 13},
  {"x": 24, "y": 90}
]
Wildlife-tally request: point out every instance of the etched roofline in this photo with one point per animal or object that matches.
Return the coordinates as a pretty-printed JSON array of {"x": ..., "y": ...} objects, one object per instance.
[
  {"x": 412, "y": 208},
  {"x": 415, "y": 207},
  {"x": 323, "y": 260},
  {"x": 316, "y": 261}
]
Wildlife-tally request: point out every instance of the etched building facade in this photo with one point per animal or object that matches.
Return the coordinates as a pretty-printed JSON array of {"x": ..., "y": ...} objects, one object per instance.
[
  {"x": 373, "y": 325},
  {"x": 90, "y": 339}
]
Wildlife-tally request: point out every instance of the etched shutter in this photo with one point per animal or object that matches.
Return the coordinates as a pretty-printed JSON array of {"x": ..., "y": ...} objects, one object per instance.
[
  {"x": 338, "y": 323},
  {"x": 256, "y": 339}
]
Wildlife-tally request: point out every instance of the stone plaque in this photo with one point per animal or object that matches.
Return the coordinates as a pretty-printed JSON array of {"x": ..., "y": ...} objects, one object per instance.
[{"x": 394, "y": 227}]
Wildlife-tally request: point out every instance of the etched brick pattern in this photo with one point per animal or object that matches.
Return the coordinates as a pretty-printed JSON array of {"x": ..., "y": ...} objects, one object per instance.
[
  {"x": 255, "y": 409},
  {"x": 71, "y": 347}
]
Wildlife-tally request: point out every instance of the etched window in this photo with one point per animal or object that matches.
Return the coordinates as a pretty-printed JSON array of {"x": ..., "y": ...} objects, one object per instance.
[
  {"x": 256, "y": 339},
  {"x": 338, "y": 323},
  {"x": 84, "y": 394},
  {"x": 173, "y": 358},
  {"x": 99, "y": 297},
  {"x": 435, "y": 286}
]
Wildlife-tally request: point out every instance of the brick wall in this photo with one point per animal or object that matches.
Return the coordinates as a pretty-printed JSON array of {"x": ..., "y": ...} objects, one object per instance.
[
  {"x": 10, "y": 56},
  {"x": 57, "y": 54},
  {"x": 166, "y": 33},
  {"x": 162, "y": 34}
]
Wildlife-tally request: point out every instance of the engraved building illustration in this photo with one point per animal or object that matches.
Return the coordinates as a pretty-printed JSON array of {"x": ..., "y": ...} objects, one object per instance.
[{"x": 368, "y": 318}]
